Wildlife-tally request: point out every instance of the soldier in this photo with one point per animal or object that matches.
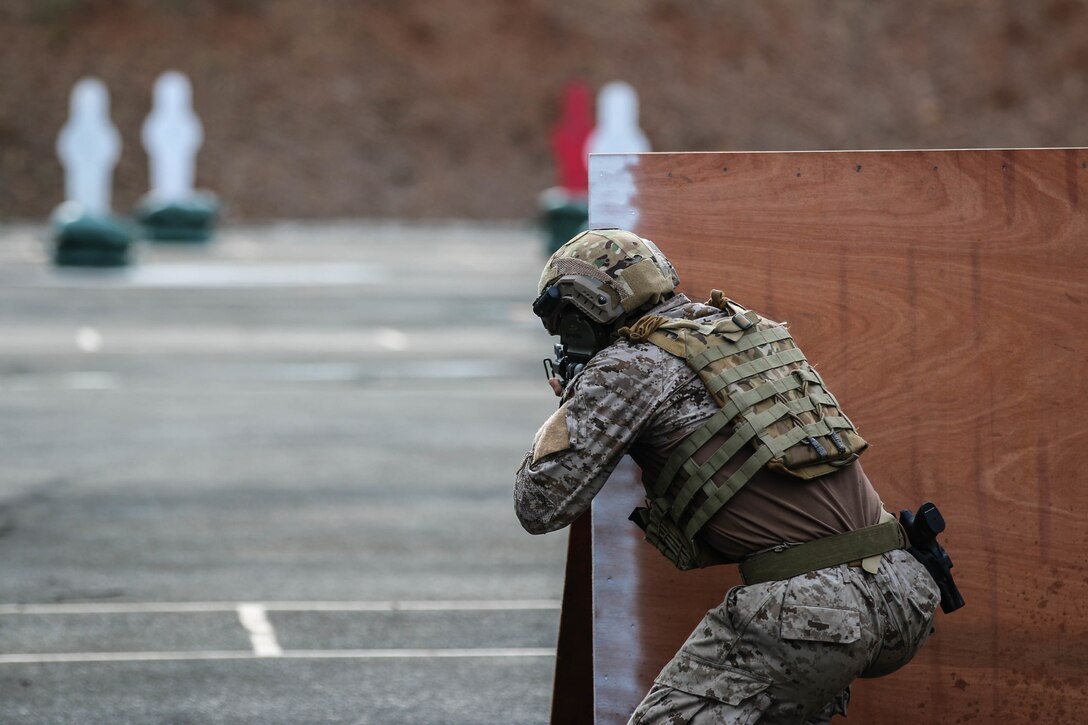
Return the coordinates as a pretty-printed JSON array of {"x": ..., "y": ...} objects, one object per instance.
[{"x": 747, "y": 458}]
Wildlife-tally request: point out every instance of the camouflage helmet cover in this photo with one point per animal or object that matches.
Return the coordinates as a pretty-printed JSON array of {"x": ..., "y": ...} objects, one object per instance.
[{"x": 628, "y": 265}]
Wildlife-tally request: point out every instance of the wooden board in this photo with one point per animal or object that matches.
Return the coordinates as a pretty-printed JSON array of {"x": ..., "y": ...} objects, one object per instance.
[{"x": 943, "y": 295}]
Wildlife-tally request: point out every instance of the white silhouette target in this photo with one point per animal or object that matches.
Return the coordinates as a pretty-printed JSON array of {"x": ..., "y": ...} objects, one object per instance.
[
  {"x": 89, "y": 146},
  {"x": 172, "y": 136},
  {"x": 617, "y": 130}
]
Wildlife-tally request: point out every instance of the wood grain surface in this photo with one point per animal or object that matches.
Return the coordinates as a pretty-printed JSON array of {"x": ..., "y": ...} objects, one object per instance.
[{"x": 943, "y": 295}]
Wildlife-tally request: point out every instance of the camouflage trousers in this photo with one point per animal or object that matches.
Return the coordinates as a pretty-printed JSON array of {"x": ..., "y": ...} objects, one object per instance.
[{"x": 786, "y": 651}]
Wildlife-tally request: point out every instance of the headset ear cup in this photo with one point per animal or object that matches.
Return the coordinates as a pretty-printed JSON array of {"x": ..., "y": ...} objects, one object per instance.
[{"x": 581, "y": 337}]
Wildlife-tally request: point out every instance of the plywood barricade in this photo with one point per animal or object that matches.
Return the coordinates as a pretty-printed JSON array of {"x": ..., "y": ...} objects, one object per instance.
[{"x": 943, "y": 295}]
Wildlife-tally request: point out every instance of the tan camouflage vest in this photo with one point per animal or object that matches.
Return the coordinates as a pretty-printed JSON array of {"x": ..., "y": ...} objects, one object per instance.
[{"x": 774, "y": 405}]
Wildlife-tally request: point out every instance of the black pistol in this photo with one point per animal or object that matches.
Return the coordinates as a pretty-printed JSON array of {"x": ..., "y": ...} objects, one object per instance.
[{"x": 922, "y": 529}]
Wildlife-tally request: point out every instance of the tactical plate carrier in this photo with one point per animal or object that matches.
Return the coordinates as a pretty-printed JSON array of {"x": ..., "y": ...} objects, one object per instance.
[{"x": 773, "y": 403}]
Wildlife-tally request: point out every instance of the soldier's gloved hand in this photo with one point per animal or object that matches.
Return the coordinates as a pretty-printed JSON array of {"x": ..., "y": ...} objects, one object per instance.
[{"x": 557, "y": 386}]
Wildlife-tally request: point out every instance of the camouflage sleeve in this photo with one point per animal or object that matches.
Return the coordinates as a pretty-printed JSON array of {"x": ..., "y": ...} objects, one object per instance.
[{"x": 604, "y": 410}]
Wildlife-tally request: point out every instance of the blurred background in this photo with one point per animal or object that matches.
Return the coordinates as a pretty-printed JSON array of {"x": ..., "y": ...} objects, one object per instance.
[
  {"x": 425, "y": 109},
  {"x": 266, "y": 477}
]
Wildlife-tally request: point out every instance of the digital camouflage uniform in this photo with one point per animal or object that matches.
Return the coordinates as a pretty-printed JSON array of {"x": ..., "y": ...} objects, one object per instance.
[{"x": 780, "y": 651}]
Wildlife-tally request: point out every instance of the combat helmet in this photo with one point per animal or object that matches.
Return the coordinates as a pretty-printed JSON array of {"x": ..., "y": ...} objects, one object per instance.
[
  {"x": 597, "y": 282},
  {"x": 606, "y": 274}
]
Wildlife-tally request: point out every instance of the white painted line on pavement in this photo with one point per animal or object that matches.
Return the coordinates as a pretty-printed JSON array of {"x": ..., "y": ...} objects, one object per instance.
[
  {"x": 354, "y": 654},
  {"x": 455, "y": 369},
  {"x": 367, "y": 654},
  {"x": 90, "y": 380},
  {"x": 64, "y": 657},
  {"x": 392, "y": 605},
  {"x": 228, "y": 274},
  {"x": 433, "y": 605},
  {"x": 261, "y": 634},
  {"x": 306, "y": 372}
]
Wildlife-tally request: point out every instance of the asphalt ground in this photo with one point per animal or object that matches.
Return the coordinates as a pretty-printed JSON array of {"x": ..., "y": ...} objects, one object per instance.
[{"x": 268, "y": 480}]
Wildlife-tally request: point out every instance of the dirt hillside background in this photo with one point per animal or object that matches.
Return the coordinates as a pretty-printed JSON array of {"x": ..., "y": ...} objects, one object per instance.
[{"x": 442, "y": 109}]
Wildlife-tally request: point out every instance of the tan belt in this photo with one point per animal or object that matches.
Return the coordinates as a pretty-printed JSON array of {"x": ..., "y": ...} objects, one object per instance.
[{"x": 862, "y": 547}]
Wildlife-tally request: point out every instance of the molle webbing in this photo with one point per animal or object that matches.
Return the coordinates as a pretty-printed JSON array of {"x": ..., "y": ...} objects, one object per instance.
[
  {"x": 773, "y": 404},
  {"x": 742, "y": 401}
]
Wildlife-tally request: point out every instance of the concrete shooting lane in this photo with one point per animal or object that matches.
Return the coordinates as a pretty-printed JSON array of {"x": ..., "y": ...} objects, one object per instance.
[{"x": 268, "y": 480}]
